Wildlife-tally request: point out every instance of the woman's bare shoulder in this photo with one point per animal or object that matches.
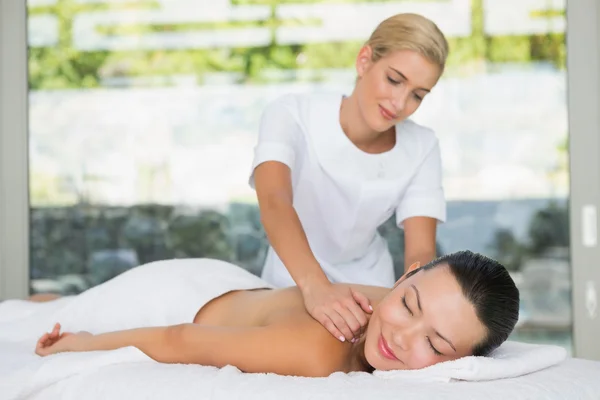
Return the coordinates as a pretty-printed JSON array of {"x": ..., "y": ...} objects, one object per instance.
[
  {"x": 305, "y": 336},
  {"x": 374, "y": 293}
]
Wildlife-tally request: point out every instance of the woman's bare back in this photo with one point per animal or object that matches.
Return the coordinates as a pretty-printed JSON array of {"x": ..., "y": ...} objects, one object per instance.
[{"x": 250, "y": 308}]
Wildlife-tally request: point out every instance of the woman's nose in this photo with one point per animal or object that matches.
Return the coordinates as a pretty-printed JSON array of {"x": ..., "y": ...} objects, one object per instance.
[
  {"x": 404, "y": 336},
  {"x": 403, "y": 339},
  {"x": 399, "y": 102}
]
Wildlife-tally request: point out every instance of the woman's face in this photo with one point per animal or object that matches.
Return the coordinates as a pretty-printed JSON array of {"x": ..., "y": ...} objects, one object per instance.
[
  {"x": 392, "y": 89},
  {"x": 424, "y": 320}
]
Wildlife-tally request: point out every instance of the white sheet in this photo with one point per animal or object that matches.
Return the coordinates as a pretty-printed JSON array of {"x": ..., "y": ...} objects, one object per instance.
[{"x": 129, "y": 374}]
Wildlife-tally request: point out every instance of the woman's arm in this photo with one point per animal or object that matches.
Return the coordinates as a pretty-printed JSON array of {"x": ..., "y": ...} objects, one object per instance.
[
  {"x": 419, "y": 240},
  {"x": 284, "y": 349}
]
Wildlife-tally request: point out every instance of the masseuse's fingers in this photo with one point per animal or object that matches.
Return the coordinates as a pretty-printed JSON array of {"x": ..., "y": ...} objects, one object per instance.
[
  {"x": 364, "y": 302},
  {"x": 330, "y": 326},
  {"x": 341, "y": 324},
  {"x": 362, "y": 309},
  {"x": 349, "y": 310},
  {"x": 360, "y": 317}
]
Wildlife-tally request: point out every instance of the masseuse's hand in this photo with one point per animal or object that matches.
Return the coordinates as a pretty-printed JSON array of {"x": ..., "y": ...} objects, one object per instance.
[
  {"x": 57, "y": 342},
  {"x": 341, "y": 310}
]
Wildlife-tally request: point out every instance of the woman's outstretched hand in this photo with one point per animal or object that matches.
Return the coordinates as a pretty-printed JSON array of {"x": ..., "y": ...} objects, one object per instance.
[
  {"x": 56, "y": 342},
  {"x": 341, "y": 310}
]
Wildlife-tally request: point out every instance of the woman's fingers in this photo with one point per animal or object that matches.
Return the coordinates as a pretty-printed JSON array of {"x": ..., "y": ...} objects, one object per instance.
[
  {"x": 42, "y": 341},
  {"x": 47, "y": 340},
  {"x": 42, "y": 344},
  {"x": 55, "y": 331}
]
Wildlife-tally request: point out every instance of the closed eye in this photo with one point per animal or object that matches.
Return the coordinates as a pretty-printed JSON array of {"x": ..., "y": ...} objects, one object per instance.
[
  {"x": 395, "y": 82},
  {"x": 437, "y": 353},
  {"x": 406, "y": 305}
]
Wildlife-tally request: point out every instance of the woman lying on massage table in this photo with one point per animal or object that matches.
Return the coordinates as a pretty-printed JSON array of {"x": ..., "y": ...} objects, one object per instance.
[{"x": 458, "y": 305}]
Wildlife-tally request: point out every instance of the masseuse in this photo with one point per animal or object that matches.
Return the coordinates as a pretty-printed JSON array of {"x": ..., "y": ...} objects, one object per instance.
[{"x": 329, "y": 169}]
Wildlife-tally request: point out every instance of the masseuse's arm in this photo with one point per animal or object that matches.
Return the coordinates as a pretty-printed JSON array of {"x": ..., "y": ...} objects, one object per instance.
[
  {"x": 283, "y": 227},
  {"x": 419, "y": 240},
  {"x": 422, "y": 208},
  {"x": 276, "y": 348},
  {"x": 339, "y": 310},
  {"x": 275, "y": 156}
]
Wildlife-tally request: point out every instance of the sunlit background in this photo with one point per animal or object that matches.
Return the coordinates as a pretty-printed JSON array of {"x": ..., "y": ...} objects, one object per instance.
[{"x": 144, "y": 114}]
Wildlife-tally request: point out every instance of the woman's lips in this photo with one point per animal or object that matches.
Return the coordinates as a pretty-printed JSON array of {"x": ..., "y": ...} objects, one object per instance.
[
  {"x": 385, "y": 350},
  {"x": 387, "y": 114}
]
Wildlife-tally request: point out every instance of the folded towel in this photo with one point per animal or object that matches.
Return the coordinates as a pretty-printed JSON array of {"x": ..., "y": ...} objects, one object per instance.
[{"x": 510, "y": 360}]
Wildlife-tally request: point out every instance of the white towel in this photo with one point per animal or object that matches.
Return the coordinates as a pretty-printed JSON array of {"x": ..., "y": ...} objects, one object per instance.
[
  {"x": 161, "y": 293},
  {"x": 510, "y": 360}
]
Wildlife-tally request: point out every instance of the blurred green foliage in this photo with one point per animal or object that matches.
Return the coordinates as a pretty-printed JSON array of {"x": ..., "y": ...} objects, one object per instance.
[{"x": 64, "y": 67}]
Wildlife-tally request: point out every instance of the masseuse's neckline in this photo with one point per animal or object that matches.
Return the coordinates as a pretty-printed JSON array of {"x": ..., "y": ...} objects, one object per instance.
[{"x": 351, "y": 144}]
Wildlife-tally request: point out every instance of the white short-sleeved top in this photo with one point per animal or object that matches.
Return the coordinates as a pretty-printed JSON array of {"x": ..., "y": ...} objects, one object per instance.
[{"x": 343, "y": 194}]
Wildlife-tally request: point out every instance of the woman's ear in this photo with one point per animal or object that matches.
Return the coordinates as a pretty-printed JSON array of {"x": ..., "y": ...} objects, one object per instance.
[
  {"x": 364, "y": 60},
  {"x": 413, "y": 267}
]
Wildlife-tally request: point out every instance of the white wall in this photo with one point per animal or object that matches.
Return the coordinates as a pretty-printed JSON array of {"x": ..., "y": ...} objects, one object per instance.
[{"x": 14, "y": 202}]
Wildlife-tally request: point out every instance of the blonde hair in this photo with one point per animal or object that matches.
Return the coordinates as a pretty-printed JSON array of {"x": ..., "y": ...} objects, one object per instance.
[{"x": 409, "y": 32}]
